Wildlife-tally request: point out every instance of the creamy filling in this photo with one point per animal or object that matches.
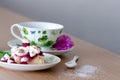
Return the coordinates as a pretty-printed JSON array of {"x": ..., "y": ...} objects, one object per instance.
[
  {"x": 24, "y": 59},
  {"x": 33, "y": 50},
  {"x": 26, "y": 54},
  {"x": 27, "y": 57},
  {"x": 21, "y": 51}
]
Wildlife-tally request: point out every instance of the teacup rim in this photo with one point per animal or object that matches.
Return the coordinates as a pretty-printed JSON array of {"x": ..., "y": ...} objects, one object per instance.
[{"x": 60, "y": 25}]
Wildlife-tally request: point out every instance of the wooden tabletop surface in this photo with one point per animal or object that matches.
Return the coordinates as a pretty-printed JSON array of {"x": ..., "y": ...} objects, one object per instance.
[{"x": 95, "y": 63}]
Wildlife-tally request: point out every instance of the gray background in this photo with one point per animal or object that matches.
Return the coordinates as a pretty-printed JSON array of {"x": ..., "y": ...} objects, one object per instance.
[{"x": 96, "y": 21}]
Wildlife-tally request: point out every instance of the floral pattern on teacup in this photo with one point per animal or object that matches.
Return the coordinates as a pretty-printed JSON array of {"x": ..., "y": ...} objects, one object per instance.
[
  {"x": 25, "y": 31},
  {"x": 40, "y": 41},
  {"x": 32, "y": 32},
  {"x": 39, "y": 32}
]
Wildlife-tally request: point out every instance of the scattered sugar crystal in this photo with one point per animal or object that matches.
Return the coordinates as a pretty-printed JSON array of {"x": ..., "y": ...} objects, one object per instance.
[{"x": 85, "y": 71}]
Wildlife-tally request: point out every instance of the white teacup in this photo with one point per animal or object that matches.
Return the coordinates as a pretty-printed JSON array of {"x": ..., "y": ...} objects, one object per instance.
[{"x": 38, "y": 33}]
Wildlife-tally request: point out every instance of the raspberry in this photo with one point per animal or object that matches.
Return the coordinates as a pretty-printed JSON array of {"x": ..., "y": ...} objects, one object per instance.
[
  {"x": 23, "y": 62},
  {"x": 4, "y": 60},
  {"x": 25, "y": 44},
  {"x": 14, "y": 62},
  {"x": 41, "y": 53},
  {"x": 11, "y": 59}
]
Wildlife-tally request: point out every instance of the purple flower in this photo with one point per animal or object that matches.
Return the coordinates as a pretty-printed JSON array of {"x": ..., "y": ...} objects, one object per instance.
[{"x": 64, "y": 42}]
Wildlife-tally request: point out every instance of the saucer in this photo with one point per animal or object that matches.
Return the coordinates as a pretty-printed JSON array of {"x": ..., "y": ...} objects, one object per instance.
[
  {"x": 16, "y": 42},
  {"x": 51, "y": 60}
]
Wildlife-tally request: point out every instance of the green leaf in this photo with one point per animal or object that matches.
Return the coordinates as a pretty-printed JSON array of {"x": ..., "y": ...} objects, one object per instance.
[
  {"x": 33, "y": 43},
  {"x": 25, "y": 31},
  {"x": 24, "y": 37},
  {"x": 39, "y": 31},
  {"x": 2, "y": 53},
  {"x": 44, "y": 32},
  {"x": 43, "y": 38},
  {"x": 48, "y": 43}
]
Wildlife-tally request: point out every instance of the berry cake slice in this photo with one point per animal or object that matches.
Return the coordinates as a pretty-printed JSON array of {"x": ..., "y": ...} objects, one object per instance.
[{"x": 25, "y": 54}]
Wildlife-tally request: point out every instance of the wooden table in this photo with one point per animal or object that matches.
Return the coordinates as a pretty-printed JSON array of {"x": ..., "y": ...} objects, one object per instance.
[{"x": 94, "y": 63}]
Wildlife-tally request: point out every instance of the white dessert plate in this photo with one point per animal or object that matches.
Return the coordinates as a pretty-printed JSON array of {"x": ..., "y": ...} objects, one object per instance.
[
  {"x": 50, "y": 61},
  {"x": 16, "y": 42}
]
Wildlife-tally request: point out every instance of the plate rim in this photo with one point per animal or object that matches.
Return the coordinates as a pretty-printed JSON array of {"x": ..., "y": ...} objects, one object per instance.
[{"x": 4, "y": 64}]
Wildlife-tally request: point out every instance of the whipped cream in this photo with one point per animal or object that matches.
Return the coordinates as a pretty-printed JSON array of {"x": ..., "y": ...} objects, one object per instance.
[
  {"x": 9, "y": 61},
  {"x": 19, "y": 51},
  {"x": 14, "y": 49},
  {"x": 24, "y": 59},
  {"x": 33, "y": 50}
]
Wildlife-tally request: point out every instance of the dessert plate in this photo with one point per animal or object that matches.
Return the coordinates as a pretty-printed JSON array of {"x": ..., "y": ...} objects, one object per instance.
[
  {"x": 16, "y": 42},
  {"x": 50, "y": 61}
]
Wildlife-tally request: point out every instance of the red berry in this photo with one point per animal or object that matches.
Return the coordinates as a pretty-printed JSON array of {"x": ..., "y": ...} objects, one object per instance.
[
  {"x": 23, "y": 62},
  {"x": 25, "y": 44},
  {"x": 14, "y": 62},
  {"x": 11, "y": 59},
  {"x": 41, "y": 54},
  {"x": 4, "y": 60}
]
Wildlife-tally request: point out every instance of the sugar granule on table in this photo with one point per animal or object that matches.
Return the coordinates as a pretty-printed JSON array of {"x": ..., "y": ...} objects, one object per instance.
[{"x": 85, "y": 71}]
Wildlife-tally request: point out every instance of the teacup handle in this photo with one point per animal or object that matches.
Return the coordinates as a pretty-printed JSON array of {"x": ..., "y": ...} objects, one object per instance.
[{"x": 12, "y": 31}]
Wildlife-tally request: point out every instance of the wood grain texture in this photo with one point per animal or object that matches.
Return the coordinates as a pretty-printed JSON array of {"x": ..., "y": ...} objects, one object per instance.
[{"x": 108, "y": 64}]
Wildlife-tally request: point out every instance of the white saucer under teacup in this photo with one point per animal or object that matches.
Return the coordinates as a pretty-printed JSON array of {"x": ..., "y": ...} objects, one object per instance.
[{"x": 16, "y": 42}]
